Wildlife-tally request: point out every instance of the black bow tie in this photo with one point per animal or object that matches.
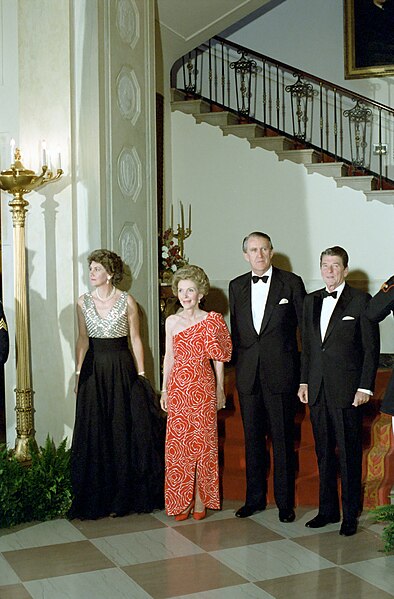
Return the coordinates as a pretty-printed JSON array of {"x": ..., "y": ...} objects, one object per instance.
[
  {"x": 325, "y": 293},
  {"x": 264, "y": 278}
]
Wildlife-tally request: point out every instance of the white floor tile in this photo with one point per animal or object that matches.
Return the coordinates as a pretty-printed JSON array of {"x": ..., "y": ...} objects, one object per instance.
[
  {"x": 264, "y": 561},
  {"x": 40, "y": 534},
  {"x": 104, "y": 584},
  {"x": 379, "y": 571},
  {"x": 149, "y": 546},
  {"x": 269, "y": 518}
]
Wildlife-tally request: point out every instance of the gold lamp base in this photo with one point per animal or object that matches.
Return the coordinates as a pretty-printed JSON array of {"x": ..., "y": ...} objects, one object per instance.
[{"x": 17, "y": 180}]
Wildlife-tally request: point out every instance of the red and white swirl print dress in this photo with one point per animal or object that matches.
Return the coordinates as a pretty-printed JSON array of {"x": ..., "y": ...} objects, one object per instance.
[{"x": 192, "y": 439}]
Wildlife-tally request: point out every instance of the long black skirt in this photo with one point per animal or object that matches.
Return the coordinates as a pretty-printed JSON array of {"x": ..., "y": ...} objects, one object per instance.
[{"x": 117, "y": 455}]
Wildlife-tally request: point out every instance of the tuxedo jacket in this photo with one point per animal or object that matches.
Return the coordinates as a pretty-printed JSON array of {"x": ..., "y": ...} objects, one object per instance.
[
  {"x": 273, "y": 352},
  {"x": 4, "y": 339},
  {"x": 380, "y": 306},
  {"x": 347, "y": 358}
]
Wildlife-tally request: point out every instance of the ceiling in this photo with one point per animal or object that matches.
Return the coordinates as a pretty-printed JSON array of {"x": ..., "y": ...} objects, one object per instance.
[{"x": 185, "y": 24}]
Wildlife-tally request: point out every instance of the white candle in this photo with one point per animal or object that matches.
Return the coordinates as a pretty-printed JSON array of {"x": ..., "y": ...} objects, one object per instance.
[
  {"x": 190, "y": 216},
  {"x": 59, "y": 158},
  {"x": 12, "y": 146},
  {"x": 172, "y": 217},
  {"x": 182, "y": 218},
  {"x": 44, "y": 152}
]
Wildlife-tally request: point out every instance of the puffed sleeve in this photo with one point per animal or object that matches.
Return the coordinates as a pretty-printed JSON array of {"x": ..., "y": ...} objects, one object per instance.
[{"x": 218, "y": 340}]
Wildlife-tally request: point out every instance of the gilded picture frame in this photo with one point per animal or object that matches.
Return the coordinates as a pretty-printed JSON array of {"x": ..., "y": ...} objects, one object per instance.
[{"x": 368, "y": 38}]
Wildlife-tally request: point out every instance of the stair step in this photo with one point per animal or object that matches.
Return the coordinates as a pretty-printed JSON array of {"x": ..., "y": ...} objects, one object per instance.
[
  {"x": 281, "y": 145},
  {"x": 305, "y": 156},
  {"x": 328, "y": 169},
  {"x": 220, "y": 118},
  {"x": 245, "y": 130},
  {"x": 177, "y": 95},
  {"x": 191, "y": 106},
  {"x": 386, "y": 196},
  {"x": 361, "y": 183},
  {"x": 276, "y": 144}
]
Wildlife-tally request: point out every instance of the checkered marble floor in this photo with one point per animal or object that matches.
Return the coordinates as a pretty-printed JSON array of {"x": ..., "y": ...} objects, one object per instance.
[{"x": 221, "y": 557}]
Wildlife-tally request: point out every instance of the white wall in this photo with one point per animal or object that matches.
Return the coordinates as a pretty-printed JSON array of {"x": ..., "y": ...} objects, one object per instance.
[
  {"x": 45, "y": 113},
  {"x": 9, "y": 128},
  {"x": 309, "y": 35},
  {"x": 60, "y": 71},
  {"x": 235, "y": 190}
]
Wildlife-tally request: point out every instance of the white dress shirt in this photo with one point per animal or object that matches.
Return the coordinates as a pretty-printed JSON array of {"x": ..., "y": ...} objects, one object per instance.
[
  {"x": 328, "y": 308},
  {"x": 259, "y": 299}
]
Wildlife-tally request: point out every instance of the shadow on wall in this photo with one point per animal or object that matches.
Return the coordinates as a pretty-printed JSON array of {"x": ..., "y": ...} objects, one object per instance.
[
  {"x": 282, "y": 261},
  {"x": 127, "y": 280},
  {"x": 217, "y": 301},
  {"x": 358, "y": 279}
]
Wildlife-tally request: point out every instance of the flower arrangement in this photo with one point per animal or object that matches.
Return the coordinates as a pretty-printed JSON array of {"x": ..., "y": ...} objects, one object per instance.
[{"x": 171, "y": 257}]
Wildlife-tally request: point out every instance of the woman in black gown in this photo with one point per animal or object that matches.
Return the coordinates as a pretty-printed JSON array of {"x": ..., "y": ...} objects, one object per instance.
[{"x": 117, "y": 456}]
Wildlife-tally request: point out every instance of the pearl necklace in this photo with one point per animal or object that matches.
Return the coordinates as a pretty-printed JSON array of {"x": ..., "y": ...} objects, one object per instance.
[{"x": 105, "y": 299}]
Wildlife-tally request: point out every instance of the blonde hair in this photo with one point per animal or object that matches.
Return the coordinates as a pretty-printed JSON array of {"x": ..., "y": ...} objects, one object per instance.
[{"x": 195, "y": 274}]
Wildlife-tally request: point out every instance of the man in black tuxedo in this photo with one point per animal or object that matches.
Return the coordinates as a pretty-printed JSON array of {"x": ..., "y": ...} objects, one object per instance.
[
  {"x": 265, "y": 309},
  {"x": 340, "y": 354},
  {"x": 380, "y": 306}
]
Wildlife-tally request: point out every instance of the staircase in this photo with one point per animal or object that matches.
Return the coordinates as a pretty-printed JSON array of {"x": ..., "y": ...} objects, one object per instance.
[
  {"x": 302, "y": 118},
  {"x": 284, "y": 147}
]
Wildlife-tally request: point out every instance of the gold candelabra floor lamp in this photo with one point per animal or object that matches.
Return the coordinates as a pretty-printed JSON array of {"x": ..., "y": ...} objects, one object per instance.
[{"x": 17, "y": 181}]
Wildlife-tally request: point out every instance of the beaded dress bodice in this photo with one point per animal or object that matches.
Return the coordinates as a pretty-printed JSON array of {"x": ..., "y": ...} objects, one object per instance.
[{"x": 114, "y": 325}]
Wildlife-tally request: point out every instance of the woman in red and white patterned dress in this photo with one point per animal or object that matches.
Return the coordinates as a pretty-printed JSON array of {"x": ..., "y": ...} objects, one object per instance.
[{"x": 197, "y": 344}]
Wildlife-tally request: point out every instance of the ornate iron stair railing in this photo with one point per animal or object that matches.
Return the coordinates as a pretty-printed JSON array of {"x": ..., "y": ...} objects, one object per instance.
[{"x": 341, "y": 125}]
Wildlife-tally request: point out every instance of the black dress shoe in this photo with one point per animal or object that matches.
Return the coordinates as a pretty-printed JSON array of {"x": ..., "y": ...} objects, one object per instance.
[
  {"x": 246, "y": 510},
  {"x": 286, "y": 515},
  {"x": 319, "y": 521},
  {"x": 348, "y": 528}
]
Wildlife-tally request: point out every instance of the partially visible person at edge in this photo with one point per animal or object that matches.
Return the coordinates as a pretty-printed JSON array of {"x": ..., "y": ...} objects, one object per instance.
[
  {"x": 192, "y": 393},
  {"x": 4, "y": 338},
  {"x": 117, "y": 457},
  {"x": 380, "y": 306},
  {"x": 266, "y": 310},
  {"x": 340, "y": 355}
]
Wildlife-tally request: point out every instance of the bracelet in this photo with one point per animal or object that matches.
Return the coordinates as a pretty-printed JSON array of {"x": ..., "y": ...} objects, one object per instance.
[
  {"x": 77, "y": 372},
  {"x": 142, "y": 373},
  {"x": 163, "y": 390}
]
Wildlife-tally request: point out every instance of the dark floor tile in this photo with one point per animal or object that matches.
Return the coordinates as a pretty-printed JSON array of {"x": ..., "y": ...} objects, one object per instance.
[
  {"x": 324, "y": 584},
  {"x": 56, "y": 560},
  {"x": 344, "y": 550},
  {"x": 107, "y": 527},
  {"x": 224, "y": 534},
  {"x": 183, "y": 576},
  {"x": 14, "y": 591}
]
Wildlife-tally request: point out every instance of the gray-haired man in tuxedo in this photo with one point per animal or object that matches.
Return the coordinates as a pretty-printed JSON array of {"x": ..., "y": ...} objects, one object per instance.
[{"x": 266, "y": 309}]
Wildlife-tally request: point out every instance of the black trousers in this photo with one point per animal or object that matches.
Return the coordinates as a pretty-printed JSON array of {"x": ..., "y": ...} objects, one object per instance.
[
  {"x": 339, "y": 428},
  {"x": 266, "y": 413}
]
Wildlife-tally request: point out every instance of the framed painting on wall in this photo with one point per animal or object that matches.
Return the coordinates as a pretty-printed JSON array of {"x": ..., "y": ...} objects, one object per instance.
[{"x": 369, "y": 38}]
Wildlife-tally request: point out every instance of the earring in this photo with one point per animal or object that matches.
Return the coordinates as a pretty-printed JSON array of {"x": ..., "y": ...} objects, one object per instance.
[{"x": 108, "y": 280}]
